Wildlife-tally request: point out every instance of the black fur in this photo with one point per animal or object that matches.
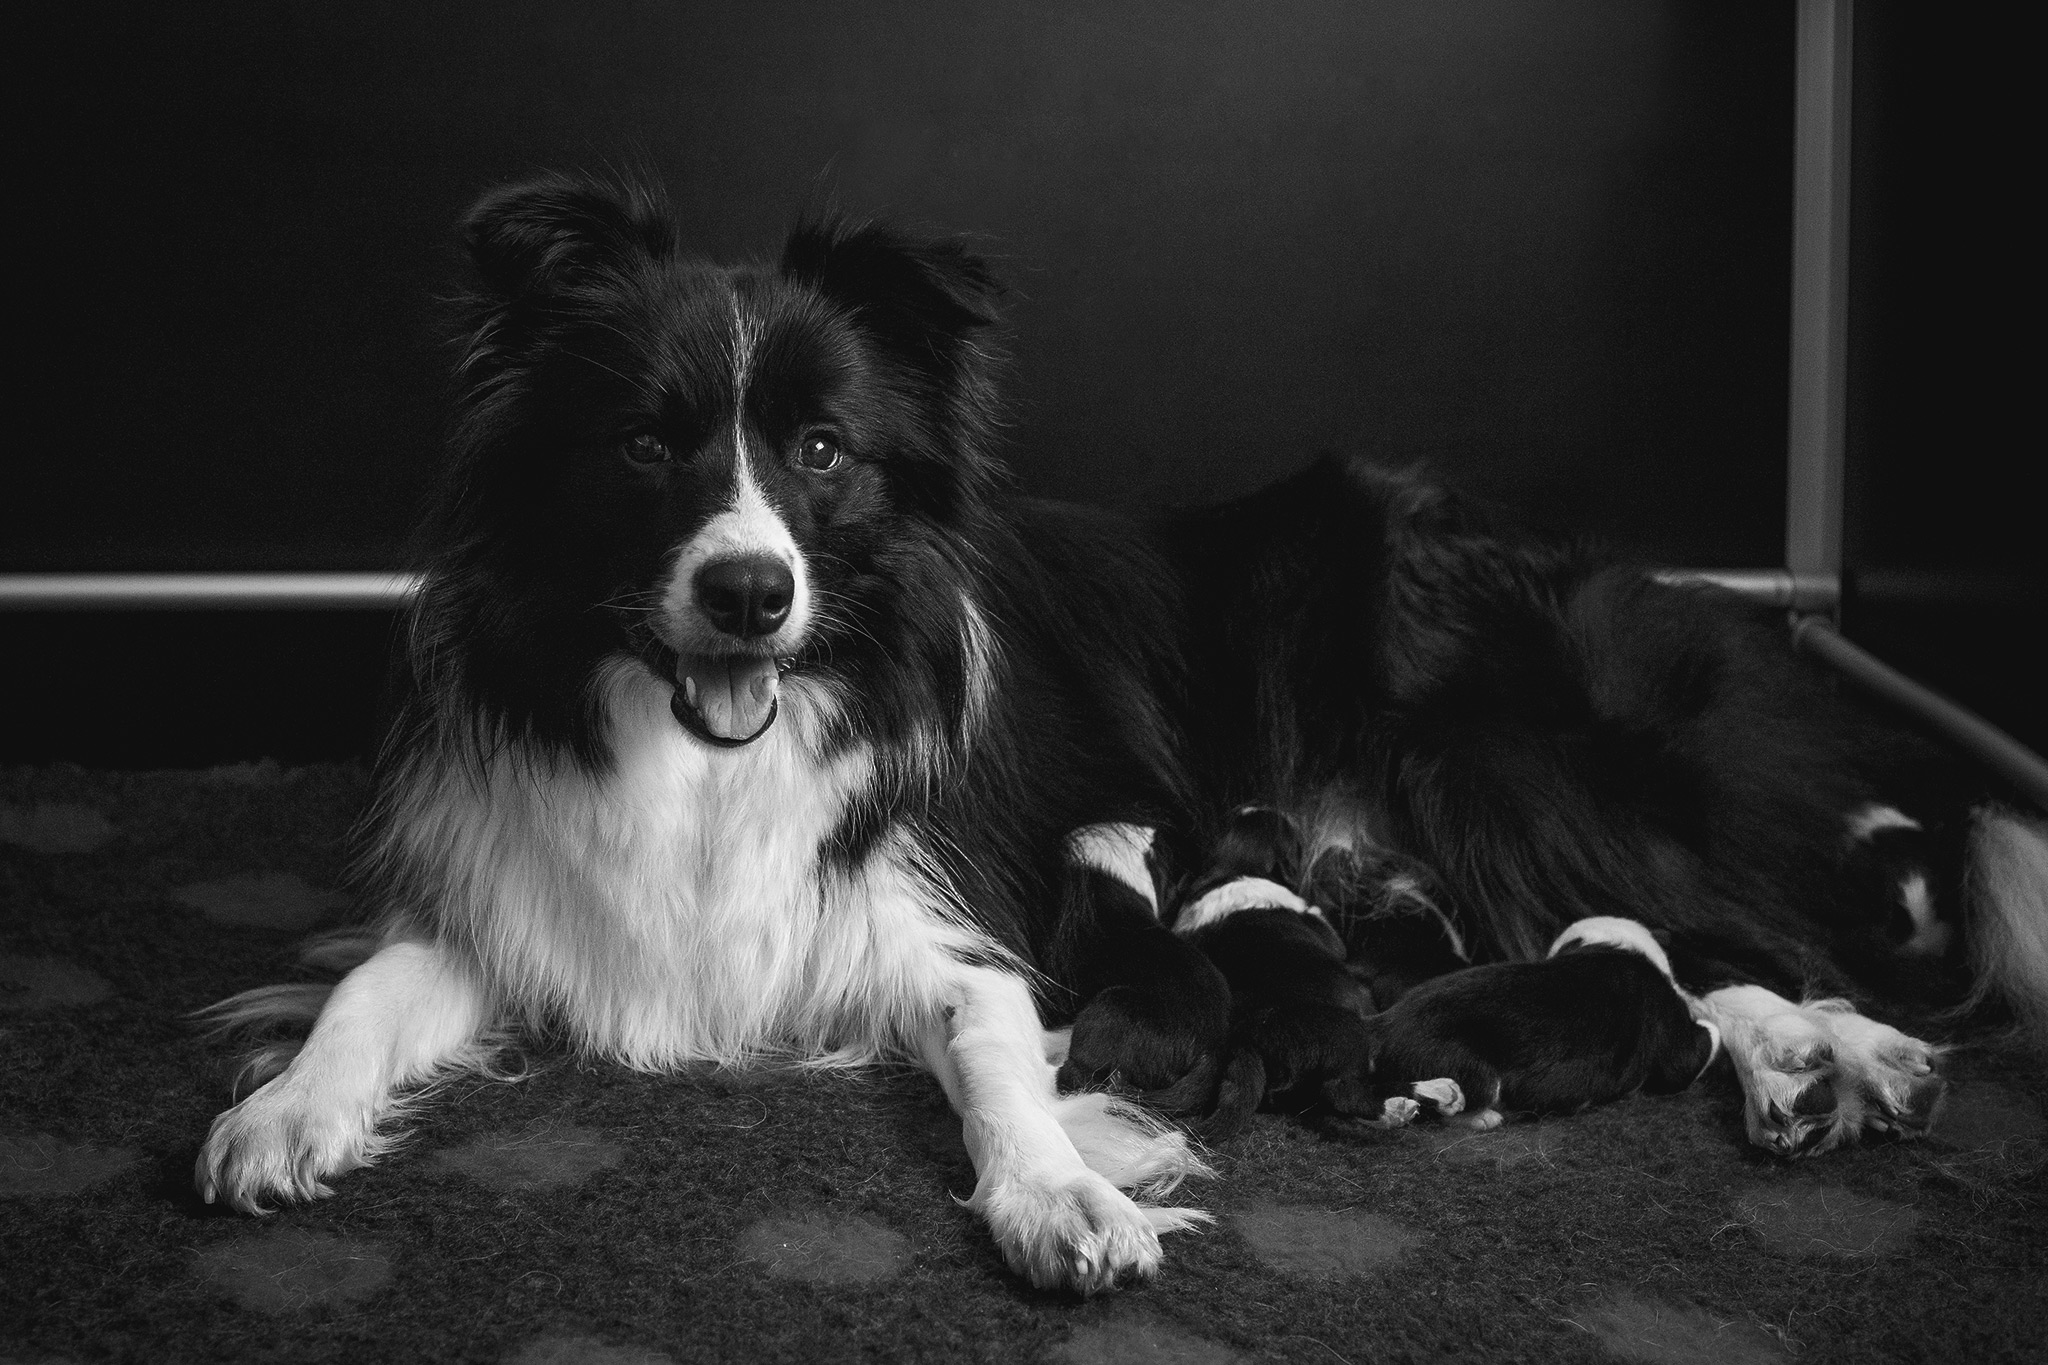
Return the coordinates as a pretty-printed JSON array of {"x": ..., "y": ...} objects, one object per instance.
[
  {"x": 1544, "y": 732},
  {"x": 1589, "y": 1025}
]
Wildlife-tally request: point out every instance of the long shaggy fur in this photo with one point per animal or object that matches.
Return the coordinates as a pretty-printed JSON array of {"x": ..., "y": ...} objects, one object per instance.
[
  {"x": 2008, "y": 886},
  {"x": 747, "y": 712}
]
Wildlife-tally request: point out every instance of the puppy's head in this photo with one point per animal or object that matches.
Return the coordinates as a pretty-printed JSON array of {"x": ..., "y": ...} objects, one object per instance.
[
  {"x": 1610, "y": 931},
  {"x": 725, "y": 472}
]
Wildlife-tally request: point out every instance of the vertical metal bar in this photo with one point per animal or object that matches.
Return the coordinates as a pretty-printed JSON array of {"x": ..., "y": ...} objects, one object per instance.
[{"x": 1820, "y": 262}]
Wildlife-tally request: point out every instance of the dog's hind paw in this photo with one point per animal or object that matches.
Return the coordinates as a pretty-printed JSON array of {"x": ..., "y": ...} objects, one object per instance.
[
  {"x": 1132, "y": 1149},
  {"x": 1076, "y": 1232},
  {"x": 1817, "y": 1075},
  {"x": 1891, "y": 1081},
  {"x": 278, "y": 1145},
  {"x": 1784, "y": 1056}
]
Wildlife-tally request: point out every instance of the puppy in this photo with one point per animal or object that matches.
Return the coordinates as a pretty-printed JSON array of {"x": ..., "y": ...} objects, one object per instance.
[{"x": 1599, "y": 1019}]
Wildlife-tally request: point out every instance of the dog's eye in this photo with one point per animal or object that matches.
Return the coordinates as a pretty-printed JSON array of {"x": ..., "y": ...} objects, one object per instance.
[
  {"x": 819, "y": 452},
  {"x": 645, "y": 449}
]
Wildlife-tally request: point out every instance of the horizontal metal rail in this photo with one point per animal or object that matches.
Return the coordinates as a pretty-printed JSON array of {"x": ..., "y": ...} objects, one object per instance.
[
  {"x": 294, "y": 591},
  {"x": 206, "y": 591},
  {"x": 1772, "y": 587},
  {"x": 2020, "y": 766},
  {"x": 1798, "y": 593}
]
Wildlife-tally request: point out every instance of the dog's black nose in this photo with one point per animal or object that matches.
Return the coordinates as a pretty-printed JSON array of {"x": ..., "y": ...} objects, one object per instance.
[{"x": 747, "y": 595}]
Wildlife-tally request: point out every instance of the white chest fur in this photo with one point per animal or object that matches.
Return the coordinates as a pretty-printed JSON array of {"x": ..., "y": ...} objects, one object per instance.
[{"x": 674, "y": 909}]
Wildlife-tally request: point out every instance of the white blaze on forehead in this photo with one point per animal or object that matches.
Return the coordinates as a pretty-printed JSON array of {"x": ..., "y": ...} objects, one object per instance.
[
  {"x": 1614, "y": 932},
  {"x": 745, "y": 334},
  {"x": 1119, "y": 851},
  {"x": 1242, "y": 893},
  {"x": 748, "y": 526}
]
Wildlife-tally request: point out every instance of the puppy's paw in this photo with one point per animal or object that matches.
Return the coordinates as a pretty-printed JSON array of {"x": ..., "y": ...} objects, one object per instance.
[
  {"x": 283, "y": 1144},
  {"x": 1398, "y": 1111},
  {"x": 1442, "y": 1094},
  {"x": 1075, "y": 1230}
]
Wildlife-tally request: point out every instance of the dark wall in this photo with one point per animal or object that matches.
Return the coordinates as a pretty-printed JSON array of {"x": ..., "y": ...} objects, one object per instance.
[
  {"x": 1540, "y": 244},
  {"x": 1948, "y": 563}
]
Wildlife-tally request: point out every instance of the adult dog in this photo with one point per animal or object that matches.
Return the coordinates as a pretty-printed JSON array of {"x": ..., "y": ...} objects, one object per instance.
[{"x": 749, "y": 713}]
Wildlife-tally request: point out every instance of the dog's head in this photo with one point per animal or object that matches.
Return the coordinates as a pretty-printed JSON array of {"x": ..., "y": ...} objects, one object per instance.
[{"x": 726, "y": 472}]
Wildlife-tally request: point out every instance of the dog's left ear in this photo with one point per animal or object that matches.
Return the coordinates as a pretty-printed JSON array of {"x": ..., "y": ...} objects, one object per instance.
[
  {"x": 537, "y": 239},
  {"x": 923, "y": 299}
]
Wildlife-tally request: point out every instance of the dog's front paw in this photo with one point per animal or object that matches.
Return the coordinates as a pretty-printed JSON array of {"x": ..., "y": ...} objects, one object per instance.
[
  {"x": 1074, "y": 1231},
  {"x": 281, "y": 1144}
]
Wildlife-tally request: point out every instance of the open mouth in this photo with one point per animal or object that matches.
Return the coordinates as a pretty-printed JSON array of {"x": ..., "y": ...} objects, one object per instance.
[{"x": 727, "y": 699}]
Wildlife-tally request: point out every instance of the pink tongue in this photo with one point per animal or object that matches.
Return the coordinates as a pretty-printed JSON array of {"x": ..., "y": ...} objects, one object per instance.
[{"x": 733, "y": 695}]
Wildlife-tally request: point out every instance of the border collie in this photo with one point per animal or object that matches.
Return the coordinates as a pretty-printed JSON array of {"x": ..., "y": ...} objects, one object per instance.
[{"x": 749, "y": 712}]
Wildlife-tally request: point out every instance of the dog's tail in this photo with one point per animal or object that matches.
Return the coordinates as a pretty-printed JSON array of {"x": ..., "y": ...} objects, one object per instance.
[{"x": 2007, "y": 880}]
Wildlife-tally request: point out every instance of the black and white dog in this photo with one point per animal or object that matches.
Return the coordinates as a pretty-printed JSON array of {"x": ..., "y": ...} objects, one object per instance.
[{"x": 749, "y": 715}]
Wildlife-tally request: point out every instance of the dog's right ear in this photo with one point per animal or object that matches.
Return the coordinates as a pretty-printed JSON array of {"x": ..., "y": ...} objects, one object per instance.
[{"x": 545, "y": 236}]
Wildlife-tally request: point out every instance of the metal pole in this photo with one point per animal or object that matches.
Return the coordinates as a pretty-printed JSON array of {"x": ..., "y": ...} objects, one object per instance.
[
  {"x": 1820, "y": 288},
  {"x": 1989, "y": 745},
  {"x": 206, "y": 591}
]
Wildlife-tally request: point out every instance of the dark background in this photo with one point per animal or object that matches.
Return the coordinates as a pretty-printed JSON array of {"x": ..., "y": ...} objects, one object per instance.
[{"x": 1542, "y": 247}]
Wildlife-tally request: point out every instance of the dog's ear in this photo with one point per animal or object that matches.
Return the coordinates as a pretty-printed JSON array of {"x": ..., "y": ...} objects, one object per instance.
[
  {"x": 548, "y": 235},
  {"x": 921, "y": 298}
]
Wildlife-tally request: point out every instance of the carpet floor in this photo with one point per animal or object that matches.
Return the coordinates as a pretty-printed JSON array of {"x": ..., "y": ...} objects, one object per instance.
[{"x": 590, "y": 1214}]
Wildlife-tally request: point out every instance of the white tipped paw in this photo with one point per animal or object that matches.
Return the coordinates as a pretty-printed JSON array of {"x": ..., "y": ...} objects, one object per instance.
[
  {"x": 1398, "y": 1112},
  {"x": 1815, "y": 1076},
  {"x": 277, "y": 1145},
  {"x": 1074, "y": 1231},
  {"x": 1443, "y": 1092},
  {"x": 1891, "y": 1080}
]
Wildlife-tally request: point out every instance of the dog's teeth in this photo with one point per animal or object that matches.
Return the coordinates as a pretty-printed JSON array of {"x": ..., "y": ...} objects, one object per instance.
[{"x": 689, "y": 689}]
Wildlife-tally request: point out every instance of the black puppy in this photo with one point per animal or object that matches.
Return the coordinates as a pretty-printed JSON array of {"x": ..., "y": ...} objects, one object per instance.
[
  {"x": 1599, "y": 1019},
  {"x": 1155, "y": 1012},
  {"x": 1298, "y": 1014}
]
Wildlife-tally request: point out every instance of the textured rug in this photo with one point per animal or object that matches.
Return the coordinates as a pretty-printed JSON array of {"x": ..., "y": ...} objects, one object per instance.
[{"x": 588, "y": 1214}]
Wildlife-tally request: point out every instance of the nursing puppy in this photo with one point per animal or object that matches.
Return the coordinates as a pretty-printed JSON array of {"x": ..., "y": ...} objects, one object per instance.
[
  {"x": 1297, "y": 1013},
  {"x": 1597, "y": 1020}
]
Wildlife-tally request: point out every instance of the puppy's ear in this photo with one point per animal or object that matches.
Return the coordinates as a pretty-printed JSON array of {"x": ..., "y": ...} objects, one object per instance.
[
  {"x": 548, "y": 235},
  {"x": 922, "y": 299}
]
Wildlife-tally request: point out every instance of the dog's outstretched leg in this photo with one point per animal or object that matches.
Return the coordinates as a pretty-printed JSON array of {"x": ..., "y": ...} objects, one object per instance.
[
  {"x": 412, "y": 1010},
  {"x": 1058, "y": 1222},
  {"x": 1816, "y": 1075}
]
